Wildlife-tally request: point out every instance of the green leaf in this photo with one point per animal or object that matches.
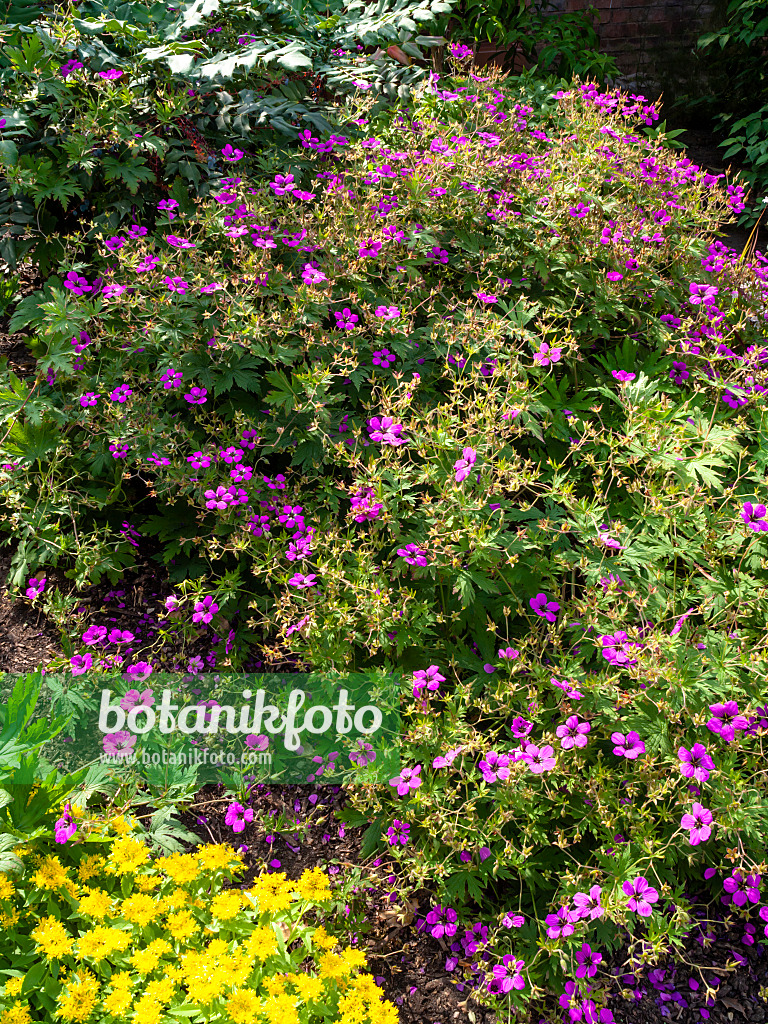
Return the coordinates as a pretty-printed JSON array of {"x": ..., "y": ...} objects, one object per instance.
[
  {"x": 9, "y": 154},
  {"x": 133, "y": 173}
]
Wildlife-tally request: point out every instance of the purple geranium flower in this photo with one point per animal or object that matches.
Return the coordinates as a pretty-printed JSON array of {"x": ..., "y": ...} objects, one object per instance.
[
  {"x": 544, "y": 608},
  {"x": 754, "y": 517},
  {"x": 699, "y": 823},
  {"x": 696, "y": 762},
  {"x": 726, "y": 720},
  {"x": 407, "y": 780},
  {"x": 643, "y": 895},
  {"x": 573, "y": 733},
  {"x": 630, "y": 746}
]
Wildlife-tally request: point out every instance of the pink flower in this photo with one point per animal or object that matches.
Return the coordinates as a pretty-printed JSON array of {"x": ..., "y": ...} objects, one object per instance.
[
  {"x": 463, "y": 466},
  {"x": 119, "y": 744},
  {"x": 80, "y": 663},
  {"x": 232, "y": 155},
  {"x": 573, "y": 733},
  {"x": 134, "y": 699},
  {"x": 197, "y": 396},
  {"x": 642, "y": 896},
  {"x": 35, "y": 587},
  {"x": 699, "y": 823},
  {"x": 111, "y": 76},
  {"x": 546, "y": 355},
  {"x": 407, "y": 780},
  {"x": 539, "y": 760}
]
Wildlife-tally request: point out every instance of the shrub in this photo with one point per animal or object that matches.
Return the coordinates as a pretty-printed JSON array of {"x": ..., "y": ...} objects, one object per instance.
[
  {"x": 110, "y": 108},
  {"x": 481, "y": 399},
  {"x": 105, "y": 936}
]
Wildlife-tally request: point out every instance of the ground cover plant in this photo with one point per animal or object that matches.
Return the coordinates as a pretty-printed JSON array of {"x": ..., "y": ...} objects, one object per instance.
[{"x": 476, "y": 397}]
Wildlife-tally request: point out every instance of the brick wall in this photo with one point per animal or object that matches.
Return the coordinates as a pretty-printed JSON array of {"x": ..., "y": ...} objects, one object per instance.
[{"x": 652, "y": 41}]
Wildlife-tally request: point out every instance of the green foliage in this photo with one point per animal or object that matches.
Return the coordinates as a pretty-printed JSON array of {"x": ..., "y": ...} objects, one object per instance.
[
  {"x": 735, "y": 59},
  {"x": 562, "y": 43}
]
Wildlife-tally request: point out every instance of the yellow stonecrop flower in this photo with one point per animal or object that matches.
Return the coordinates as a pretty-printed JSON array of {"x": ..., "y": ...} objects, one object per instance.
[
  {"x": 89, "y": 867},
  {"x": 353, "y": 957},
  {"x": 148, "y": 883},
  {"x": 181, "y": 925},
  {"x": 242, "y": 1006},
  {"x": 120, "y": 998},
  {"x": 280, "y": 1009},
  {"x": 51, "y": 874},
  {"x": 321, "y": 938},
  {"x": 161, "y": 990},
  {"x": 313, "y": 886},
  {"x": 261, "y": 943},
  {"x": 148, "y": 1011},
  {"x": 308, "y": 987},
  {"x": 146, "y": 960},
  {"x": 13, "y": 987},
  {"x": 174, "y": 973},
  {"x": 217, "y": 856},
  {"x": 276, "y": 984},
  {"x": 182, "y": 868},
  {"x": 226, "y": 905},
  {"x": 383, "y": 1012},
  {"x": 141, "y": 909},
  {"x": 273, "y": 893},
  {"x": 174, "y": 900},
  {"x": 10, "y": 919},
  {"x": 100, "y": 942},
  {"x": 52, "y": 939},
  {"x": 127, "y": 856},
  {"x": 122, "y": 825},
  {"x": 16, "y": 1014},
  {"x": 331, "y": 965},
  {"x": 353, "y": 1009},
  {"x": 78, "y": 999},
  {"x": 97, "y": 904},
  {"x": 7, "y": 888}
]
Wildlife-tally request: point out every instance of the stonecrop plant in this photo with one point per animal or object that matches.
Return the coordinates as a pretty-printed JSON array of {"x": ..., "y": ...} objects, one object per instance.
[
  {"x": 122, "y": 935},
  {"x": 479, "y": 397}
]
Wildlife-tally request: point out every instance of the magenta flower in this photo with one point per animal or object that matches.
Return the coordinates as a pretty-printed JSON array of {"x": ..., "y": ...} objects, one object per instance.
[
  {"x": 115, "y": 243},
  {"x": 754, "y": 517},
  {"x": 616, "y": 648},
  {"x": 407, "y": 780},
  {"x": 520, "y": 727},
  {"x": 134, "y": 699},
  {"x": 463, "y": 466},
  {"x": 65, "y": 827},
  {"x": 120, "y": 636},
  {"x": 495, "y": 767},
  {"x": 204, "y": 610},
  {"x": 508, "y": 653},
  {"x": 630, "y": 746},
  {"x": 232, "y": 155},
  {"x": 35, "y": 586},
  {"x": 179, "y": 243},
  {"x": 413, "y": 554},
  {"x": 447, "y": 759},
  {"x": 487, "y": 298},
  {"x": 543, "y": 608},
  {"x": 547, "y": 356},
  {"x": 119, "y": 744},
  {"x": 111, "y": 75},
  {"x": 696, "y": 762},
  {"x": 75, "y": 283},
  {"x": 176, "y": 284},
  {"x": 94, "y": 635},
  {"x": 580, "y": 210},
  {"x": 311, "y": 275},
  {"x": 726, "y": 720},
  {"x": 587, "y": 959},
  {"x": 560, "y": 925},
  {"x": 701, "y": 294},
  {"x": 171, "y": 378},
  {"x": 622, "y": 376},
  {"x": 196, "y": 396},
  {"x": 80, "y": 663},
  {"x": 573, "y": 733},
  {"x": 386, "y": 431},
  {"x": 387, "y": 312},
  {"x": 398, "y": 832},
  {"x": 369, "y": 248},
  {"x": 589, "y": 905},
  {"x": 121, "y": 393},
  {"x": 237, "y": 816},
  {"x": 257, "y": 741},
  {"x": 642, "y": 896},
  {"x": 699, "y": 824},
  {"x": 283, "y": 183},
  {"x": 539, "y": 760},
  {"x": 442, "y": 921},
  {"x": 742, "y": 888},
  {"x": 302, "y": 582},
  {"x": 346, "y": 319},
  {"x": 507, "y": 976},
  {"x": 429, "y": 677}
]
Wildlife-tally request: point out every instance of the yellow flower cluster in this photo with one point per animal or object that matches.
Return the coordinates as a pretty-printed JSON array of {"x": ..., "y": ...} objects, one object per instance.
[
  {"x": 18, "y": 1013},
  {"x": 7, "y": 888},
  {"x": 100, "y": 943},
  {"x": 272, "y": 893},
  {"x": 51, "y": 874},
  {"x": 97, "y": 904},
  {"x": 313, "y": 886},
  {"x": 127, "y": 856},
  {"x": 52, "y": 939},
  {"x": 78, "y": 999}
]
